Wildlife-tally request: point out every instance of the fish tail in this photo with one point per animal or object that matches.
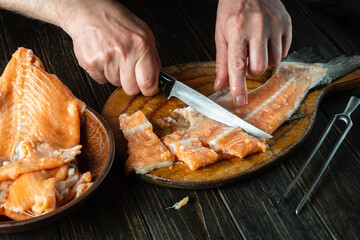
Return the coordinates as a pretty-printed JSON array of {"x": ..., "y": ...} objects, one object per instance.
[{"x": 340, "y": 66}]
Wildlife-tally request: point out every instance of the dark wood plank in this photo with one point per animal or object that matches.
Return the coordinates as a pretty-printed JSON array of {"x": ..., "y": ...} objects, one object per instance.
[
  {"x": 112, "y": 212},
  {"x": 336, "y": 198},
  {"x": 204, "y": 217},
  {"x": 51, "y": 232},
  {"x": 337, "y": 25},
  {"x": 256, "y": 212}
]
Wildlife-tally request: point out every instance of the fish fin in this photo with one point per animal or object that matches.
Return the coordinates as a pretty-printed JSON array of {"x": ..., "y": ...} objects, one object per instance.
[
  {"x": 340, "y": 66},
  {"x": 307, "y": 54}
]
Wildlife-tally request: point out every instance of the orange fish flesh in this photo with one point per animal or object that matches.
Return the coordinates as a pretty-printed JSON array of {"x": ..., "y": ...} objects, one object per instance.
[
  {"x": 146, "y": 151},
  {"x": 39, "y": 135},
  {"x": 190, "y": 150}
]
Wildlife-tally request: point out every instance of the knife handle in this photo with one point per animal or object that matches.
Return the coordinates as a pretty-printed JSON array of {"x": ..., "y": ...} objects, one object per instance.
[{"x": 166, "y": 82}]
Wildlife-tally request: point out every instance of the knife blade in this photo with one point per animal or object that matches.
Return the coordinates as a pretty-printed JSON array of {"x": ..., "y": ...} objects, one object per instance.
[{"x": 207, "y": 107}]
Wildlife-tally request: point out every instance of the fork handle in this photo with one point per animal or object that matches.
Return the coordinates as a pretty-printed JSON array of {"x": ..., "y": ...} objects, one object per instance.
[
  {"x": 352, "y": 105},
  {"x": 354, "y": 102}
]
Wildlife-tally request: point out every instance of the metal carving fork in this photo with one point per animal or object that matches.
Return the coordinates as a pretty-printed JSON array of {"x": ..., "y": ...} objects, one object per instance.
[{"x": 345, "y": 116}]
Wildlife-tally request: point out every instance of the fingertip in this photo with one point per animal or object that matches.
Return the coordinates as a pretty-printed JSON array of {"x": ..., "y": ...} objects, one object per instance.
[
  {"x": 238, "y": 92},
  {"x": 241, "y": 100},
  {"x": 222, "y": 79}
]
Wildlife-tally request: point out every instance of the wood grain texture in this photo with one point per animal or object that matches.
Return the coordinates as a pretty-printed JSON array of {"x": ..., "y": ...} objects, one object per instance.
[
  {"x": 201, "y": 76},
  {"x": 255, "y": 210},
  {"x": 336, "y": 196},
  {"x": 204, "y": 217}
]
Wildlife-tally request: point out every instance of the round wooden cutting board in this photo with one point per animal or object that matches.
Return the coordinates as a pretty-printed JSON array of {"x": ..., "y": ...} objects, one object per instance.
[{"x": 201, "y": 76}]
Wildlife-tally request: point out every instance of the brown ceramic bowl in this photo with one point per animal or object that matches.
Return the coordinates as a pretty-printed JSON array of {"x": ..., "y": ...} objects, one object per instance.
[{"x": 96, "y": 156}]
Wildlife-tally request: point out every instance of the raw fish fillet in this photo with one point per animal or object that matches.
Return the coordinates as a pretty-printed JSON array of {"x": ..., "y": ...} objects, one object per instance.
[
  {"x": 189, "y": 150},
  {"x": 36, "y": 106},
  {"x": 39, "y": 196},
  {"x": 223, "y": 139},
  {"x": 38, "y": 161},
  {"x": 39, "y": 135},
  {"x": 146, "y": 151},
  {"x": 271, "y": 104}
]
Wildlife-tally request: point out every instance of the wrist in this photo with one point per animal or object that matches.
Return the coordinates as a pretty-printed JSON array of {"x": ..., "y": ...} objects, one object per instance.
[{"x": 71, "y": 13}]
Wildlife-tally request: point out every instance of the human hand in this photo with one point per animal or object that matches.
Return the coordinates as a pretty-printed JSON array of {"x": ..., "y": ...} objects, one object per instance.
[
  {"x": 115, "y": 46},
  {"x": 250, "y": 35}
]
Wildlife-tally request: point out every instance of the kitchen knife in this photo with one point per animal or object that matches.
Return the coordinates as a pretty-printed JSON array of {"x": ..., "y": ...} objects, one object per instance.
[{"x": 207, "y": 107}]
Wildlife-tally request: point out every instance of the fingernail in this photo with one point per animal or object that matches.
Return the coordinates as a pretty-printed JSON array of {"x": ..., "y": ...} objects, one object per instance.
[
  {"x": 240, "y": 101},
  {"x": 216, "y": 83}
]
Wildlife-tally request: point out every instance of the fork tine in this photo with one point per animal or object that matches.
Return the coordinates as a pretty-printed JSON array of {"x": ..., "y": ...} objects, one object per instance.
[
  {"x": 327, "y": 162},
  {"x": 317, "y": 146}
]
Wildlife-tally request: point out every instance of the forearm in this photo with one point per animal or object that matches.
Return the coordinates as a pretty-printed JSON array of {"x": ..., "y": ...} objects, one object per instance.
[{"x": 57, "y": 12}]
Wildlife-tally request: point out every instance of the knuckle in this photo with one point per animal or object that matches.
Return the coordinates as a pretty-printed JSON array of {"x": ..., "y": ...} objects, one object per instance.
[
  {"x": 274, "y": 19},
  {"x": 88, "y": 64},
  {"x": 236, "y": 23},
  {"x": 258, "y": 68},
  {"x": 259, "y": 21},
  {"x": 150, "y": 92},
  {"x": 132, "y": 91},
  {"x": 238, "y": 64},
  {"x": 140, "y": 42},
  {"x": 238, "y": 85},
  {"x": 93, "y": 62},
  {"x": 146, "y": 83},
  {"x": 288, "y": 21}
]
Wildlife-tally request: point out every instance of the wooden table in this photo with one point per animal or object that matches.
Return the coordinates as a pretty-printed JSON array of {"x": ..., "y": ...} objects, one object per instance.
[{"x": 127, "y": 208}]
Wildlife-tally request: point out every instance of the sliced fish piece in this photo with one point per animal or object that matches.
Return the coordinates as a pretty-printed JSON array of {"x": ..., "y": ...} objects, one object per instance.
[
  {"x": 33, "y": 194},
  {"x": 190, "y": 150},
  {"x": 146, "y": 151},
  {"x": 33, "y": 163},
  {"x": 219, "y": 137}
]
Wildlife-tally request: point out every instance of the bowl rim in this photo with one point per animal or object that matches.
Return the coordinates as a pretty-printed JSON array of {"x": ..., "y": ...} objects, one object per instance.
[{"x": 23, "y": 225}]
